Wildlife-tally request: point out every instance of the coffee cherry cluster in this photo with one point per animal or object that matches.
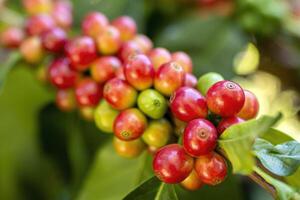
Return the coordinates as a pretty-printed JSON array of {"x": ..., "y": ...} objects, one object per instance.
[{"x": 147, "y": 97}]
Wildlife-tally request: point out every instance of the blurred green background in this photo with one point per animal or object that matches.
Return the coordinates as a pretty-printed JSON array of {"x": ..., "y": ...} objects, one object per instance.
[{"x": 47, "y": 154}]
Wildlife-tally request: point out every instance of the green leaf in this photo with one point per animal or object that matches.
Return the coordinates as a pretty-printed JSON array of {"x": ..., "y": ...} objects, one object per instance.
[
  {"x": 112, "y": 176},
  {"x": 282, "y": 159},
  {"x": 237, "y": 142},
  {"x": 284, "y": 191},
  {"x": 9, "y": 63},
  {"x": 153, "y": 188}
]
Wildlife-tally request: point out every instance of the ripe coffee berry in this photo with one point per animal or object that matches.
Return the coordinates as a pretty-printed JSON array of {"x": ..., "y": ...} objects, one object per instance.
[
  {"x": 81, "y": 51},
  {"x": 54, "y": 40},
  {"x": 39, "y": 24},
  {"x": 192, "y": 182},
  {"x": 88, "y": 92},
  {"x": 152, "y": 103},
  {"x": 159, "y": 56},
  {"x": 250, "y": 107},
  {"x": 207, "y": 80},
  {"x": 32, "y": 50},
  {"x": 157, "y": 133},
  {"x": 130, "y": 124},
  {"x": 171, "y": 164},
  {"x": 126, "y": 26},
  {"x": 188, "y": 104},
  {"x": 139, "y": 72},
  {"x": 225, "y": 98},
  {"x": 109, "y": 41},
  {"x": 128, "y": 49},
  {"x": 105, "y": 116},
  {"x": 190, "y": 80},
  {"x": 200, "y": 137},
  {"x": 12, "y": 37},
  {"x": 119, "y": 94},
  {"x": 128, "y": 149},
  {"x": 94, "y": 24},
  {"x": 227, "y": 122},
  {"x": 104, "y": 68},
  {"x": 61, "y": 75},
  {"x": 211, "y": 168},
  {"x": 120, "y": 73},
  {"x": 168, "y": 78},
  {"x": 143, "y": 42},
  {"x": 62, "y": 14},
  {"x": 65, "y": 100},
  {"x": 184, "y": 60}
]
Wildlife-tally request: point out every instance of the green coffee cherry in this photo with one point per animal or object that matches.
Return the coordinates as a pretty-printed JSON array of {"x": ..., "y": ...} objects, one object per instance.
[
  {"x": 105, "y": 116},
  {"x": 207, "y": 80}
]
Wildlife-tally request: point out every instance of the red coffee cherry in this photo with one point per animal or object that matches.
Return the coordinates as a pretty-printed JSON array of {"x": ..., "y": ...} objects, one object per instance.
[
  {"x": 120, "y": 73},
  {"x": 143, "y": 42},
  {"x": 129, "y": 149},
  {"x": 119, "y": 94},
  {"x": 227, "y": 122},
  {"x": 190, "y": 80},
  {"x": 54, "y": 40},
  {"x": 184, "y": 60},
  {"x": 130, "y": 124},
  {"x": 188, "y": 104},
  {"x": 211, "y": 168},
  {"x": 159, "y": 56},
  {"x": 61, "y": 75},
  {"x": 171, "y": 164},
  {"x": 192, "y": 182},
  {"x": 88, "y": 92},
  {"x": 139, "y": 72},
  {"x": 81, "y": 51},
  {"x": 225, "y": 98},
  {"x": 65, "y": 100},
  {"x": 168, "y": 78},
  {"x": 109, "y": 41},
  {"x": 94, "y": 24},
  {"x": 200, "y": 137},
  {"x": 12, "y": 37},
  {"x": 32, "y": 50},
  {"x": 104, "y": 68},
  {"x": 33, "y": 7},
  {"x": 62, "y": 14},
  {"x": 128, "y": 49},
  {"x": 250, "y": 107},
  {"x": 126, "y": 26},
  {"x": 39, "y": 24}
]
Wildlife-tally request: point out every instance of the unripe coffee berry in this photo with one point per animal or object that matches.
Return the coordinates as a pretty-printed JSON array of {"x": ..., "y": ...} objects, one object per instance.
[
  {"x": 31, "y": 49},
  {"x": 250, "y": 107},
  {"x": 128, "y": 149},
  {"x": 157, "y": 133},
  {"x": 105, "y": 116},
  {"x": 192, "y": 182},
  {"x": 152, "y": 103},
  {"x": 225, "y": 98},
  {"x": 200, "y": 137},
  {"x": 207, "y": 80},
  {"x": 188, "y": 104},
  {"x": 168, "y": 78},
  {"x": 109, "y": 41},
  {"x": 119, "y": 94},
  {"x": 139, "y": 72},
  {"x": 171, "y": 164},
  {"x": 130, "y": 124},
  {"x": 33, "y": 7},
  {"x": 211, "y": 168}
]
